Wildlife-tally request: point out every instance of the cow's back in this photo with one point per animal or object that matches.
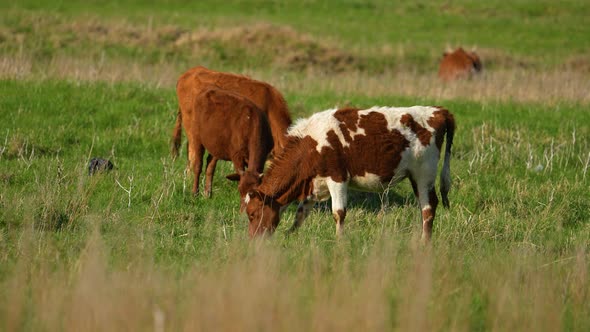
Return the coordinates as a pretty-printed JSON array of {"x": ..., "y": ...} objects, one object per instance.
[
  {"x": 258, "y": 92},
  {"x": 263, "y": 95},
  {"x": 458, "y": 64},
  {"x": 369, "y": 147}
]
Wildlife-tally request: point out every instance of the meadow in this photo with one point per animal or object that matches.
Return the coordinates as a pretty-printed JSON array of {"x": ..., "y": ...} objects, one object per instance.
[{"x": 134, "y": 250}]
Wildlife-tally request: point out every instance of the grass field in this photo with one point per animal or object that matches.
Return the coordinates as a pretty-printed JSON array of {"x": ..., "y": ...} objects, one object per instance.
[{"x": 133, "y": 250}]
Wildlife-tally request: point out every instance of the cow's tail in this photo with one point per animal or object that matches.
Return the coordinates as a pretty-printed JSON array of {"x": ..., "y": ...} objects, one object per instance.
[
  {"x": 176, "y": 135},
  {"x": 445, "y": 173}
]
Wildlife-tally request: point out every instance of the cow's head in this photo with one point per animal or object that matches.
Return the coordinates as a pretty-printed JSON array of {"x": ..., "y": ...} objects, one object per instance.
[
  {"x": 475, "y": 61},
  {"x": 263, "y": 213},
  {"x": 247, "y": 181}
]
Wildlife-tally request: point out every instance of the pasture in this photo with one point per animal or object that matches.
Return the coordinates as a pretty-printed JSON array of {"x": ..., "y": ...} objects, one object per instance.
[{"x": 133, "y": 250}]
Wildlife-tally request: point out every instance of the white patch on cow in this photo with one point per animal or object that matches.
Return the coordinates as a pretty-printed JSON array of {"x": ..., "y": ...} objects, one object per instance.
[
  {"x": 247, "y": 198},
  {"x": 369, "y": 182},
  {"x": 423, "y": 169},
  {"x": 319, "y": 124},
  {"x": 401, "y": 171},
  {"x": 339, "y": 194},
  {"x": 320, "y": 189}
]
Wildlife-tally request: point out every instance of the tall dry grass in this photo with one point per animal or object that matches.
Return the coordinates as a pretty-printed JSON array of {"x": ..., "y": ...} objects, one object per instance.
[
  {"x": 501, "y": 85},
  {"x": 522, "y": 85},
  {"x": 397, "y": 285}
]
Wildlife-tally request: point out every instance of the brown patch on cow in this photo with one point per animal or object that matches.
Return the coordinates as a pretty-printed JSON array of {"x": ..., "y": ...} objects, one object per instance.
[
  {"x": 427, "y": 223},
  {"x": 348, "y": 117},
  {"x": 459, "y": 64},
  {"x": 339, "y": 216},
  {"x": 331, "y": 156},
  {"x": 345, "y": 132},
  {"x": 422, "y": 133},
  {"x": 262, "y": 94},
  {"x": 428, "y": 214},
  {"x": 439, "y": 119},
  {"x": 372, "y": 147}
]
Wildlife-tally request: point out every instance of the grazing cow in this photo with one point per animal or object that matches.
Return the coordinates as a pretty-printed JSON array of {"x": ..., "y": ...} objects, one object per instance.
[
  {"x": 367, "y": 150},
  {"x": 230, "y": 127},
  {"x": 459, "y": 64},
  {"x": 266, "y": 97}
]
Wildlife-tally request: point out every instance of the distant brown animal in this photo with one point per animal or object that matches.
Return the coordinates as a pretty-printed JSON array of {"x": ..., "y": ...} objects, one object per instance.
[
  {"x": 230, "y": 127},
  {"x": 458, "y": 65},
  {"x": 367, "y": 150},
  {"x": 266, "y": 97}
]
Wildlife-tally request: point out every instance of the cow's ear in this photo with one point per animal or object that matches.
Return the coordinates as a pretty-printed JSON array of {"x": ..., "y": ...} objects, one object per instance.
[
  {"x": 254, "y": 193},
  {"x": 233, "y": 177},
  {"x": 251, "y": 194}
]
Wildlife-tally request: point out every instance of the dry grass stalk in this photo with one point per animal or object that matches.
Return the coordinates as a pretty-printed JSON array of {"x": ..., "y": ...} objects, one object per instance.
[{"x": 503, "y": 85}]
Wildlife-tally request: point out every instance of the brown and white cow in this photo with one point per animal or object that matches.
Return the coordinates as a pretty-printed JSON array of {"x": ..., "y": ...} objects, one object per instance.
[
  {"x": 266, "y": 97},
  {"x": 229, "y": 127},
  {"x": 368, "y": 150},
  {"x": 459, "y": 64}
]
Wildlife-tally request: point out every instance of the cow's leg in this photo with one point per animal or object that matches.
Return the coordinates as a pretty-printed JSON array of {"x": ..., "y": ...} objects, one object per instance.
[
  {"x": 339, "y": 194},
  {"x": 428, "y": 200},
  {"x": 239, "y": 164},
  {"x": 210, "y": 171},
  {"x": 195, "y": 156},
  {"x": 302, "y": 212}
]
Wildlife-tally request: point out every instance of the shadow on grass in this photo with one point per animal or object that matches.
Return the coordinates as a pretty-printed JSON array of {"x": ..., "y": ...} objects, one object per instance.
[{"x": 372, "y": 202}]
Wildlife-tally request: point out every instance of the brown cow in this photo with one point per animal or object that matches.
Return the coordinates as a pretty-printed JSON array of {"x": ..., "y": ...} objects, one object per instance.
[
  {"x": 367, "y": 150},
  {"x": 266, "y": 97},
  {"x": 459, "y": 64},
  {"x": 230, "y": 127}
]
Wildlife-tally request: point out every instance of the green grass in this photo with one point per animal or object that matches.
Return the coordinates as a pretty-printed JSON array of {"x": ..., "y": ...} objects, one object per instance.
[
  {"x": 381, "y": 35},
  {"x": 502, "y": 203},
  {"x": 132, "y": 249},
  {"x": 388, "y": 22}
]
